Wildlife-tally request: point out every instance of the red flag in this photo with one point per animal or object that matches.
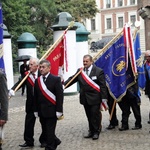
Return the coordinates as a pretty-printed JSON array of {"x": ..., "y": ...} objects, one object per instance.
[{"x": 57, "y": 57}]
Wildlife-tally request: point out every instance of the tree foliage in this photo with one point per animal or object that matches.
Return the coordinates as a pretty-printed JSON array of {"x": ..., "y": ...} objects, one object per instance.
[
  {"x": 37, "y": 17},
  {"x": 79, "y": 9},
  {"x": 16, "y": 16},
  {"x": 42, "y": 18}
]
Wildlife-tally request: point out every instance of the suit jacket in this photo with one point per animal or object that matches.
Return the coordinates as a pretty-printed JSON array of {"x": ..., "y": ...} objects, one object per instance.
[
  {"x": 23, "y": 69},
  {"x": 87, "y": 93},
  {"x": 147, "y": 84},
  {"x": 30, "y": 95},
  {"x": 43, "y": 106},
  {"x": 3, "y": 97}
]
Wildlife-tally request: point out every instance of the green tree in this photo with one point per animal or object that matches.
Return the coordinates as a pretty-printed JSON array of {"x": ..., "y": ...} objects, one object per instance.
[
  {"x": 37, "y": 17},
  {"x": 43, "y": 13},
  {"x": 79, "y": 9},
  {"x": 16, "y": 16}
]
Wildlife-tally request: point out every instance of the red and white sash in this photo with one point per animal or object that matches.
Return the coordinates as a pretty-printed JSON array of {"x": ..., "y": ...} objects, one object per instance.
[
  {"x": 30, "y": 78},
  {"x": 47, "y": 93},
  {"x": 89, "y": 81}
]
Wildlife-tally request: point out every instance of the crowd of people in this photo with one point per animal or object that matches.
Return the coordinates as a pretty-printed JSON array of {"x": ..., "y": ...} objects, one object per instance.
[{"x": 44, "y": 99}]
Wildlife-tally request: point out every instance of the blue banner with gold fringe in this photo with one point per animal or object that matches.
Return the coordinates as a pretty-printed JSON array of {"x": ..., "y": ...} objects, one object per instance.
[{"x": 113, "y": 62}]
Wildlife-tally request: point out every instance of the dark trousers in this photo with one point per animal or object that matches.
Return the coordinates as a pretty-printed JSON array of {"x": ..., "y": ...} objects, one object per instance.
[
  {"x": 136, "y": 111},
  {"x": 23, "y": 87},
  {"x": 29, "y": 128},
  {"x": 114, "y": 120},
  {"x": 48, "y": 127},
  {"x": 125, "y": 105},
  {"x": 125, "y": 108},
  {"x": 94, "y": 117}
]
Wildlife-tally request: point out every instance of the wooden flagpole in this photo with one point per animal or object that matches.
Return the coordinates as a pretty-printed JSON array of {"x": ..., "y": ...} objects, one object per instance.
[{"x": 50, "y": 50}]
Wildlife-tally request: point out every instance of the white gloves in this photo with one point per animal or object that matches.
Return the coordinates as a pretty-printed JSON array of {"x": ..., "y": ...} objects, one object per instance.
[
  {"x": 59, "y": 115},
  {"x": 11, "y": 93},
  {"x": 36, "y": 114},
  {"x": 104, "y": 104}
]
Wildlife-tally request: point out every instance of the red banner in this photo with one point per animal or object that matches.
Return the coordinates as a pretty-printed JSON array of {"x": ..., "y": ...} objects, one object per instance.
[{"x": 56, "y": 58}]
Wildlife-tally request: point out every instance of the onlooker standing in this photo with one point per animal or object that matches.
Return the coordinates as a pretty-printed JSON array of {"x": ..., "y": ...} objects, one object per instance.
[
  {"x": 23, "y": 68},
  {"x": 147, "y": 75},
  {"x": 92, "y": 92},
  {"x": 3, "y": 102},
  {"x": 48, "y": 94}
]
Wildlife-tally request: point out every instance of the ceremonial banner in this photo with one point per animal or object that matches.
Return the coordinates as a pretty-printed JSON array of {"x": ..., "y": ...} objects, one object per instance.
[
  {"x": 56, "y": 58},
  {"x": 2, "y": 67},
  {"x": 118, "y": 76},
  {"x": 139, "y": 62}
]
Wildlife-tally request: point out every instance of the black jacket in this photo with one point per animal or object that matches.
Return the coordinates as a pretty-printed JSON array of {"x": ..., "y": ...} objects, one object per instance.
[
  {"x": 87, "y": 93},
  {"x": 42, "y": 105}
]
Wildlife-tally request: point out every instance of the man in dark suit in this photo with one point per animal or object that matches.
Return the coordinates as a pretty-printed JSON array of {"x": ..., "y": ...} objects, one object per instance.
[
  {"x": 3, "y": 103},
  {"x": 30, "y": 115},
  {"x": 92, "y": 91},
  {"x": 23, "y": 68},
  {"x": 48, "y": 93}
]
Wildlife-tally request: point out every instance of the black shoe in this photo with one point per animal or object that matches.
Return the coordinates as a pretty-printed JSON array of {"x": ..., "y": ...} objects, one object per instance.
[
  {"x": 26, "y": 145},
  {"x": 123, "y": 128},
  {"x": 90, "y": 135},
  {"x": 58, "y": 142},
  {"x": 137, "y": 127},
  {"x": 110, "y": 127},
  {"x": 148, "y": 122},
  {"x": 43, "y": 145},
  {"x": 95, "y": 136}
]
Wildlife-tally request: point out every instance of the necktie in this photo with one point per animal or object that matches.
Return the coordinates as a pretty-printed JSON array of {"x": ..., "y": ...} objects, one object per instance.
[
  {"x": 44, "y": 78},
  {"x": 86, "y": 71},
  {"x": 33, "y": 75}
]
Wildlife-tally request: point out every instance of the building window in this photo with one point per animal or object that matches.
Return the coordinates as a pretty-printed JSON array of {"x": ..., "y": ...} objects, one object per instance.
[
  {"x": 108, "y": 22},
  {"x": 132, "y": 2},
  {"x": 133, "y": 19},
  {"x": 120, "y": 3},
  {"x": 92, "y": 24},
  {"x": 120, "y": 22},
  {"x": 108, "y": 3}
]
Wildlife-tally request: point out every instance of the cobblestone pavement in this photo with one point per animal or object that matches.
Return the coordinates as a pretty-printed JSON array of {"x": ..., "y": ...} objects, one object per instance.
[{"x": 74, "y": 125}]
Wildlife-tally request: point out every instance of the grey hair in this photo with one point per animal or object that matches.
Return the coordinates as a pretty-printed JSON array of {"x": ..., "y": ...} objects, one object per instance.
[
  {"x": 46, "y": 62},
  {"x": 36, "y": 60}
]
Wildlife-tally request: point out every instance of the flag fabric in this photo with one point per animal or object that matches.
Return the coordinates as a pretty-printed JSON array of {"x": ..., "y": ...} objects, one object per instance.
[
  {"x": 113, "y": 62},
  {"x": 139, "y": 62},
  {"x": 2, "y": 67},
  {"x": 129, "y": 45},
  {"x": 58, "y": 57}
]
